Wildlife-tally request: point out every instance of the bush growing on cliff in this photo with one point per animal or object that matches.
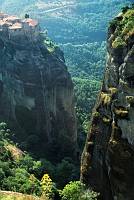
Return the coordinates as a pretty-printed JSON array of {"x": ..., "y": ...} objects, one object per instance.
[
  {"x": 125, "y": 9},
  {"x": 125, "y": 28},
  {"x": 118, "y": 42}
]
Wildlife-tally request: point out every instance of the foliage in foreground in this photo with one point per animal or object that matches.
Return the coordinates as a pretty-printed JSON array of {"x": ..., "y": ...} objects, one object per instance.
[
  {"x": 47, "y": 186},
  {"x": 77, "y": 191},
  {"x": 19, "y": 172}
]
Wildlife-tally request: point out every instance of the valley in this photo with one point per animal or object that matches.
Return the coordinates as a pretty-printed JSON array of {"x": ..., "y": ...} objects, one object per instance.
[{"x": 52, "y": 68}]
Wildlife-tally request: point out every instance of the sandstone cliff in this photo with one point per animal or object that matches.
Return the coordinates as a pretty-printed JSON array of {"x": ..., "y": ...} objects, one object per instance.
[
  {"x": 36, "y": 90},
  {"x": 108, "y": 156}
]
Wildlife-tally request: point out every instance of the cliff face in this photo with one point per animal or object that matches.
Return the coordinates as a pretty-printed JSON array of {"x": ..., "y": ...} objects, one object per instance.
[
  {"x": 108, "y": 156},
  {"x": 36, "y": 91}
]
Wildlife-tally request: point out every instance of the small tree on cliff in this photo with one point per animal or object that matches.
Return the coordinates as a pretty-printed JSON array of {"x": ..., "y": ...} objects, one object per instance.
[
  {"x": 125, "y": 9},
  {"x": 26, "y": 16}
]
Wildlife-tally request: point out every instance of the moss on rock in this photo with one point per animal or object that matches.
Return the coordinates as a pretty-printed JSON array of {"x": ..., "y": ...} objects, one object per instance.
[
  {"x": 105, "y": 98},
  {"x": 121, "y": 112},
  {"x": 124, "y": 29}
]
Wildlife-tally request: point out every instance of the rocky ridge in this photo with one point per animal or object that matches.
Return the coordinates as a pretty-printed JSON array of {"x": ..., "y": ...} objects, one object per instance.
[
  {"x": 108, "y": 157},
  {"x": 36, "y": 90}
]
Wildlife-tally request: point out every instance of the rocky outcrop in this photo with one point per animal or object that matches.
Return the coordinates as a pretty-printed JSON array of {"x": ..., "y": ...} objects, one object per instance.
[
  {"x": 108, "y": 157},
  {"x": 36, "y": 92}
]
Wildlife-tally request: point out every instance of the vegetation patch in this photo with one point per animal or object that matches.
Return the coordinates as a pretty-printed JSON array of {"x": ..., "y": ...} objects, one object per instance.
[
  {"x": 118, "y": 42},
  {"x": 121, "y": 112},
  {"x": 106, "y": 120},
  {"x": 6, "y": 195},
  {"x": 130, "y": 100},
  {"x": 113, "y": 90},
  {"x": 19, "y": 172},
  {"x": 96, "y": 115},
  {"x": 51, "y": 46},
  {"x": 125, "y": 28},
  {"x": 105, "y": 98},
  {"x": 15, "y": 152},
  {"x": 77, "y": 191}
]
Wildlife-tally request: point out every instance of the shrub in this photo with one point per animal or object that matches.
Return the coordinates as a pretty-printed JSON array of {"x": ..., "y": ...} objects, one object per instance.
[
  {"x": 72, "y": 191},
  {"x": 125, "y": 28},
  {"x": 27, "y": 162},
  {"x": 121, "y": 112},
  {"x": 96, "y": 114},
  {"x": 22, "y": 181},
  {"x": 113, "y": 90},
  {"x": 106, "y": 120},
  {"x": 118, "y": 42},
  {"x": 77, "y": 191},
  {"x": 130, "y": 100},
  {"x": 89, "y": 195},
  {"x": 125, "y": 9},
  {"x": 4, "y": 131},
  {"x": 105, "y": 98}
]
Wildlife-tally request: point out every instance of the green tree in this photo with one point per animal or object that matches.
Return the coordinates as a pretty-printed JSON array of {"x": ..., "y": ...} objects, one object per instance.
[
  {"x": 65, "y": 172},
  {"x": 77, "y": 191},
  {"x": 72, "y": 191},
  {"x": 47, "y": 186}
]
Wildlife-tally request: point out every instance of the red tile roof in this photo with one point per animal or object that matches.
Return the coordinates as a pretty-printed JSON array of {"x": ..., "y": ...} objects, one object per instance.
[
  {"x": 5, "y": 23},
  {"x": 11, "y": 18},
  {"x": 16, "y": 26},
  {"x": 31, "y": 22},
  {"x": 16, "y": 23}
]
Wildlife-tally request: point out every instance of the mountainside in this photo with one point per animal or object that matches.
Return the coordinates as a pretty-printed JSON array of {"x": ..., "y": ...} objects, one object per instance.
[
  {"x": 36, "y": 90},
  {"x": 79, "y": 28},
  {"x": 108, "y": 157}
]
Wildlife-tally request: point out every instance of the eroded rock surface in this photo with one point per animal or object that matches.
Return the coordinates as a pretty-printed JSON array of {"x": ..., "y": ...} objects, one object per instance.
[
  {"x": 36, "y": 91},
  {"x": 108, "y": 157}
]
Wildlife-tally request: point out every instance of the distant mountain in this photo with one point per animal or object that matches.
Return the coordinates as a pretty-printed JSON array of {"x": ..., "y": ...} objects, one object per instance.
[{"x": 69, "y": 20}]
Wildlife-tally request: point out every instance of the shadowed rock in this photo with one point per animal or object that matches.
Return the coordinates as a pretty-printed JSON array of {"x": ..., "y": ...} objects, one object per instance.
[
  {"x": 36, "y": 94},
  {"x": 108, "y": 157}
]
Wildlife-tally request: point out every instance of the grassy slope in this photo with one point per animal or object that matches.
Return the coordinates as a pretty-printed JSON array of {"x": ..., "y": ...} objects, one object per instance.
[{"x": 6, "y": 195}]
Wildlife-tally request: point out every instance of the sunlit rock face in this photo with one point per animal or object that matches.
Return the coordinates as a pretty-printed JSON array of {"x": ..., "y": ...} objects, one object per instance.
[
  {"x": 108, "y": 157},
  {"x": 36, "y": 91}
]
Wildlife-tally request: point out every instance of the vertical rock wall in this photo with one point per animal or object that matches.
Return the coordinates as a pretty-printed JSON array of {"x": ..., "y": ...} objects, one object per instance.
[
  {"x": 108, "y": 157},
  {"x": 36, "y": 96}
]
